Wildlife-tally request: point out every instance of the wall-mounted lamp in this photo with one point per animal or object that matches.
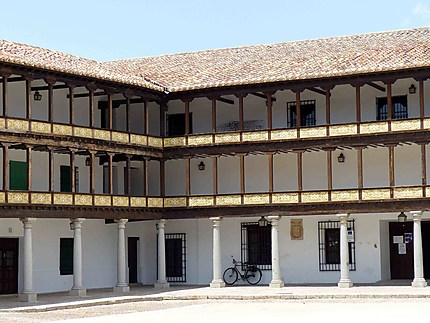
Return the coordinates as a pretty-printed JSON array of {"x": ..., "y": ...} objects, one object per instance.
[
  {"x": 262, "y": 222},
  {"x": 341, "y": 158},
  {"x": 87, "y": 161},
  {"x": 37, "y": 96},
  {"x": 401, "y": 217},
  {"x": 201, "y": 166},
  {"x": 71, "y": 225},
  {"x": 412, "y": 89}
]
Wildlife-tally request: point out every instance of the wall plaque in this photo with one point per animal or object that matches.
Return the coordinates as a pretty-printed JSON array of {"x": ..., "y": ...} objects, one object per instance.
[{"x": 296, "y": 229}]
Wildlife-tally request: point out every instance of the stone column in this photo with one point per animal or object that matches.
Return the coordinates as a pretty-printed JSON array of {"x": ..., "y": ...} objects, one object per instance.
[
  {"x": 161, "y": 281},
  {"x": 77, "y": 288},
  {"x": 419, "y": 280},
  {"x": 121, "y": 285},
  {"x": 344, "y": 281},
  {"x": 276, "y": 267},
  {"x": 27, "y": 294},
  {"x": 217, "y": 281}
]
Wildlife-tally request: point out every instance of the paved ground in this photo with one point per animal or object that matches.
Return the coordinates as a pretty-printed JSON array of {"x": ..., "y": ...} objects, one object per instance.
[{"x": 204, "y": 304}]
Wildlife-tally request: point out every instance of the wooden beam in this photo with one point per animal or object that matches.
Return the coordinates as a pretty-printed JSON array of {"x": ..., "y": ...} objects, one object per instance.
[
  {"x": 46, "y": 87},
  {"x": 72, "y": 171},
  {"x": 215, "y": 176},
  {"x": 5, "y": 94},
  {"x": 110, "y": 112},
  {"x": 91, "y": 107},
  {"x": 421, "y": 94},
  {"x": 300, "y": 174},
  {"x": 358, "y": 106},
  {"x": 71, "y": 106},
  {"x": 376, "y": 86},
  {"x": 6, "y": 174},
  {"x": 162, "y": 178},
  {"x": 86, "y": 95},
  {"x": 110, "y": 173},
  {"x": 263, "y": 96},
  {"x": 187, "y": 177},
  {"x": 329, "y": 172},
  {"x": 213, "y": 115},
  {"x": 14, "y": 79},
  {"x": 270, "y": 156},
  {"x": 423, "y": 168},
  {"x": 327, "y": 110},
  {"x": 228, "y": 101},
  {"x": 127, "y": 186},
  {"x": 51, "y": 175},
  {"x": 313, "y": 89},
  {"x": 29, "y": 167},
  {"x": 391, "y": 169}
]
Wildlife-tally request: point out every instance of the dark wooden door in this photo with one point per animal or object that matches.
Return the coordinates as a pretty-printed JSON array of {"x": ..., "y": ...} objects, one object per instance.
[
  {"x": 401, "y": 252},
  {"x": 174, "y": 257},
  {"x": 9, "y": 265},
  {"x": 425, "y": 231},
  {"x": 132, "y": 259}
]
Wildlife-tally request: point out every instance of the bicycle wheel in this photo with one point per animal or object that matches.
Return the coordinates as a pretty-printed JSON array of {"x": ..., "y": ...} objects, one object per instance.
[
  {"x": 230, "y": 276},
  {"x": 253, "y": 275}
]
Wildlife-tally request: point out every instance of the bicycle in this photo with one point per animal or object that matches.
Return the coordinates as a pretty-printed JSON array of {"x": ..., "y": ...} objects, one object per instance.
[{"x": 252, "y": 273}]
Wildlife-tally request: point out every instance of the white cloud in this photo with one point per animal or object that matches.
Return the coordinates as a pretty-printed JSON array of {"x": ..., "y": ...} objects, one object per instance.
[
  {"x": 419, "y": 16},
  {"x": 421, "y": 11}
]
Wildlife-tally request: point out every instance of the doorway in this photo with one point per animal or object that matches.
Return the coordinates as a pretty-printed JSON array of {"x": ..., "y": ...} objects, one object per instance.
[
  {"x": 9, "y": 265},
  {"x": 133, "y": 243}
]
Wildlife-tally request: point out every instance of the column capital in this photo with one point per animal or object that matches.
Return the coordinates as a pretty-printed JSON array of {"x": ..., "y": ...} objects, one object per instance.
[
  {"x": 343, "y": 217},
  {"x": 161, "y": 224},
  {"x": 76, "y": 223},
  {"x": 274, "y": 219},
  {"x": 27, "y": 222},
  {"x": 121, "y": 223},
  {"x": 216, "y": 221},
  {"x": 416, "y": 215}
]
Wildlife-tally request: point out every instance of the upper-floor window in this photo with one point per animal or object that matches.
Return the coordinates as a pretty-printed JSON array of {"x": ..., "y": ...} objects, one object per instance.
[
  {"x": 176, "y": 124},
  {"x": 399, "y": 107},
  {"x": 307, "y": 114}
]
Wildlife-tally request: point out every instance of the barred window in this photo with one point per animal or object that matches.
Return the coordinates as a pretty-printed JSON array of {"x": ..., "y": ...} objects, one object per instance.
[
  {"x": 329, "y": 245},
  {"x": 307, "y": 114},
  {"x": 176, "y": 257},
  {"x": 399, "y": 106},
  {"x": 256, "y": 245}
]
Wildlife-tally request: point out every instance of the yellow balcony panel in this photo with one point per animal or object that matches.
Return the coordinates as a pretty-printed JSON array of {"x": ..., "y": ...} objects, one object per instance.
[
  {"x": 405, "y": 125},
  {"x": 256, "y": 199},
  {"x": 2, "y": 123},
  {"x": 62, "y": 130},
  {"x": 285, "y": 198},
  {"x": 426, "y": 123},
  {"x": 17, "y": 125},
  {"x": 2, "y": 197},
  {"x": 63, "y": 199},
  {"x": 255, "y": 136},
  {"x": 120, "y": 201},
  {"x": 174, "y": 142},
  {"x": 343, "y": 130},
  {"x": 120, "y": 137},
  {"x": 175, "y": 202},
  {"x": 83, "y": 200},
  {"x": 138, "y": 140},
  {"x": 155, "y": 142},
  {"x": 201, "y": 201},
  {"x": 376, "y": 194},
  {"x": 83, "y": 132},
  {"x": 101, "y": 134},
  {"x": 285, "y": 134},
  {"x": 137, "y": 201},
  {"x": 223, "y": 138},
  {"x": 374, "y": 127},
  {"x": 228, "y": 200},
  {"x": 41, "y": 198},
  {"x": 41, "y": 127},
  {"x": 155, "y": 202},
  {"x": 313, "y": 132},
  {"x": 312, "y": 197},
  {"x": 200, "y": 140},
  {"x": 408, "y": 192},
  {"x": 17, "y": 198},
  {"x": 102, "y": 200},
  {"x": 349, "y": 195}
]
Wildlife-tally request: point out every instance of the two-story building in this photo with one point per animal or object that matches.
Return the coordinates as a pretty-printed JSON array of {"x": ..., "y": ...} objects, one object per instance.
[{"x": 306, "y": 158}]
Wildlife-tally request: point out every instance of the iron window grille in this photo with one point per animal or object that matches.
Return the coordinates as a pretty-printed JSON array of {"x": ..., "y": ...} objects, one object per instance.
[
  {"x": 399, "y": 107},
  {"x": 307, "y": 114},
  {"x": 329, "y": 245},
  {"x": 176, "y": 257},
  {"x": 256, "y": 245}
]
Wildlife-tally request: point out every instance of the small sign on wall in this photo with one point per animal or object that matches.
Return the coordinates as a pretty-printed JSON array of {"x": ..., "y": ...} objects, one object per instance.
[{"x": 296, "y": 229}]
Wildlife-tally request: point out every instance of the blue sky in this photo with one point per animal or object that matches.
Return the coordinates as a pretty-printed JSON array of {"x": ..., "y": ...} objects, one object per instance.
[{"x": 114, "y": 29}]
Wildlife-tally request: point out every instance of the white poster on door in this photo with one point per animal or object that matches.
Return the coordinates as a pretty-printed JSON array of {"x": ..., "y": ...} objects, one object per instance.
[{"x": 402, "y": 248}]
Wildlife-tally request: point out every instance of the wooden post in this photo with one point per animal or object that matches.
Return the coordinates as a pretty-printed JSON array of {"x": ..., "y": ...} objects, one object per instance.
[
  {"x": 358, "y": 107},
  {"x": 213, "y": 119},
  {"x": 127, "y": 113},
  {"x": 327, "y": 112},
  {"x": 5, "y": 94},
  {"x": 329, "y": 172},
  {"x": 162, "y": 178},
  {"x": 242, "y": 175},
  {"x": 421, "y": 94},
  {"x": 389, "y": 105},
  {"x": 146, "y": 115},
  {"x": 162, "y": 119},
  {"x": 51, "y": 169},
  {"x": 72, "y": 105},
  {"x": 423, "y": 168},
  {"x": 6, "y": 174},
  {"x": 215, "y": 176},
  {"x": 127, "y": 187},
  {"x": 298, "y": 114},
  {"x": 300, "y": 174},
  {"x": 360, "y": 171},
  {"x": 187, "y": 120},
  {"x": 391, "y": 170},
  {"x": 28, "y": 98},
  {"x": 91, "y": 107},
  {"x": 29, "y": 168},
  {"x": 187, "y": 178},
  {"x": 72, "y": 171},
  {"x": 269, "y": 113},
  {"x": 110, "y": 173},
  {"x": 50, "y": 101},
  {"x": 110, "y": 111},
  {"x": 92, "y": 171},
  {"x": 145, "y": 176},
  {"x": 270, "y": 155}
]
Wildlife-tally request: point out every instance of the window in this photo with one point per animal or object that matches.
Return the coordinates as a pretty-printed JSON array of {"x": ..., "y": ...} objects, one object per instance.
[
  {"x": 18, "y": 175},
  {"x": 399, "y": 104},
  {"x": 329, "y": 245},
  {"x": 66, "y": 256},
  {"x": 307, "y": 114},
  {"x": 65, "y": 179},
  {"x": 176, "y": 257},
  {"x": 256, "y": 245},
  {"x": 176, "y": 124}
]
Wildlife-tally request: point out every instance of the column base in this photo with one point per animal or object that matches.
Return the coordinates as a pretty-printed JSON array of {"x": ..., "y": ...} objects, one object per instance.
[
  {"x": 419, "y": 282},
  {"x": 80, "y": 292},
  {"x": 276, "y": 284},
  {"x": 217, "y": 283},
  {"x": 121, "y": 289},
  {"x": 30, "y": 297},
  {"x": 161, "y": 285},
  {"x": 345, "y": 283}
]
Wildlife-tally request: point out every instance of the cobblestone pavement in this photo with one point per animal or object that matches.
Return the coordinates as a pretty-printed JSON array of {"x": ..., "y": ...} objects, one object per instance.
[{"x": 323, "y": 310}]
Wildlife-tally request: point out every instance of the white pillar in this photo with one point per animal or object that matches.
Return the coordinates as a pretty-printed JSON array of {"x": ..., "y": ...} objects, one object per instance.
[
  {"x": 121, "y": 285},
  {"x": 77, "y": 288},
  {"x": 27, "y": 294},
  {"x": 217, "y": 281},
  {"x": 276, "y": 267},
  {"x": 419, "y": 280},
  {"x": 161, "y": 281},
  {"x": 344, "y": 252}
]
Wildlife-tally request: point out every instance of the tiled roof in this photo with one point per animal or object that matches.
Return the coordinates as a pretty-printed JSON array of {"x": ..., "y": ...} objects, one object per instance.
[
  {"x": 33, "y": 56},
  {"x": 308, "y": 59},
  {"x": 296, "y": 60}
]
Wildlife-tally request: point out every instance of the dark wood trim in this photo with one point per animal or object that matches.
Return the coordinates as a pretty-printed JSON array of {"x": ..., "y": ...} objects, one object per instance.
[
  {"x": 127, "y": 188},
  {"x": 29, "y": 167},
  {"x": 51, "y": 171},
  {"x": 187, "y": 177},
  {"x": 358, "y": 106},
  {"x": 376, "y": 86},
  {"x": 28, "y": 98},
  {"x": 423, "y": 168},
  {"x": 261, "y": 95},
  {"x": 146, "y": 115},
  {"x": 72, "y": 170},
  {"x": 421, "y": 95},
  {"x": 213, "y": 115},
  {"x": 50, "y": 102},
  {"x": 5, "y": 95},
  {"x": 391, "y": 169},
  {"x": 313, "y": 89},
  {"x": 162, "y": 178},
  {"x": 91, "y": 107},
  {"x": 46, "y": 88},
  {"x": 127, "y": 115},
  {"x": 6, "y": 178},
  {"x": 271, "y": 186},
  {"x": 360, "y": 170},
  {"x": 241, "y": 97},
  {"x": 269, "y": 112},
  {"x": 242, "y": 174},
  {"x": 162, "y": 119},
  {"x": 327, "y": 110},
  {"x": 329, "y": 172},
  {"x": 300, "y": 173},
  {"x": 110, "y": 173},
  {"x": 389, "y": 105},
  {"x": 298, "y": 114},
  {"x": 145, "y": 176},
  {"x": 215, "y": 176},
  {"x": 71, "y": 105},
  {"x": 110, "y": 111}
]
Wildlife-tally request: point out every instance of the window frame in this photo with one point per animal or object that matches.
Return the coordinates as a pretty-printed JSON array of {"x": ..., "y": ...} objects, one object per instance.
[
  {"x": 263, "y": 264},
  {"x": 399, "y": 106},
  {"x": 305, "y": 120}
]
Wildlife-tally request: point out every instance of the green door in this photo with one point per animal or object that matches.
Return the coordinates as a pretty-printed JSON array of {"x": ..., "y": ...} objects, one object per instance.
[
  {"x": 65, "y": 179},
  {"x": 18, "y": 175}
]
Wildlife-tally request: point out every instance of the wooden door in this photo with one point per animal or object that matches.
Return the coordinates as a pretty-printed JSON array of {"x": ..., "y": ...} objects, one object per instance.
[
  {"x": 401, "y": 251},
  {"x": 9, "y": 265},
  {"x": 425, "y": 231},
  {"x": 132, "y": 259}
]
